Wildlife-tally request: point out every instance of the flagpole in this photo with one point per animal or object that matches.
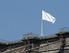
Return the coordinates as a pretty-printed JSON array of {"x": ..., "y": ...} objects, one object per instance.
[{"x": 42, "y": 28}]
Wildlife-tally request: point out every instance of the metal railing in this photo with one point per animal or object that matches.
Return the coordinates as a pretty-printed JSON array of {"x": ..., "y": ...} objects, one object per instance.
[
  {"x": 64, "y": 29},
  {"x": 4, "y": 41}
]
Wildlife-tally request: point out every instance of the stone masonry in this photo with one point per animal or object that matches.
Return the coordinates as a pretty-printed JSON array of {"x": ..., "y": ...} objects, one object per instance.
[{"x": 58, "y": 43}]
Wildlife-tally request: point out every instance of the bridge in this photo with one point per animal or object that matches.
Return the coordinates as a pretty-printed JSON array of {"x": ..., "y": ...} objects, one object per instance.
[{"x": 58, "y": 43}]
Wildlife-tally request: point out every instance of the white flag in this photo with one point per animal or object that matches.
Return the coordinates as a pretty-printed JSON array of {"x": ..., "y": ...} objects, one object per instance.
[{"x": 46, "y": 16}]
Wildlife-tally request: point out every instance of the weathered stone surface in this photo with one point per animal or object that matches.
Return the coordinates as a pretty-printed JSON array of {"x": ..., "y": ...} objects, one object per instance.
[{"x": 58, "y": 43}]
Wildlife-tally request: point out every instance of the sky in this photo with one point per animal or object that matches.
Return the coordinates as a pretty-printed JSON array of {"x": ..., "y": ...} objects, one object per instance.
[{"x": 18, "y": 17}]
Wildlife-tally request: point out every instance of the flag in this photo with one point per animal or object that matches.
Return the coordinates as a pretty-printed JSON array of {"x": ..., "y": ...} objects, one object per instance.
[{"x": 46, "y": 16}]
